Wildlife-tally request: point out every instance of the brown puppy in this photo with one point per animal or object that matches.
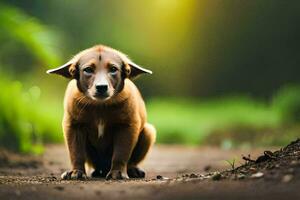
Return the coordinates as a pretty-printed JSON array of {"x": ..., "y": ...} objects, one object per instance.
[{"x": 105, "y": 122}]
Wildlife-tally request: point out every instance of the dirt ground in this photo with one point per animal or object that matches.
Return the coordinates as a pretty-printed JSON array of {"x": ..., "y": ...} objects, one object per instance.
[{"x": 173, "y": 172}]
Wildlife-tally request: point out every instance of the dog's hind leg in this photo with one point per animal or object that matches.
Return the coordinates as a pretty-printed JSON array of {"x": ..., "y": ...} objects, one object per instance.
[{"x": 146, "y": 140}]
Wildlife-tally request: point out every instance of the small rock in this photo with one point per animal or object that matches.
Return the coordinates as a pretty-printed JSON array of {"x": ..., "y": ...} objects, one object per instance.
[
  {"x": 287, "y": 178},
  {"x": 216, "y": 176},
  {"x": 241, "y": 176},
  {"x": 193, "y": 176},
  {"x": 252, "y": 169},
  {"x": 262, "y": 159},
  {"x": 257, "y": 175},
  {"x": 295, "y": 163},
  {"x": 180, "y": 179},
  {"x": 159, "y": 177}
]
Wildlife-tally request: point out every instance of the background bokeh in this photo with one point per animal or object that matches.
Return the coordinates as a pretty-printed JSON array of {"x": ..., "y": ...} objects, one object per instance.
[{"x": 225, "y": 72}]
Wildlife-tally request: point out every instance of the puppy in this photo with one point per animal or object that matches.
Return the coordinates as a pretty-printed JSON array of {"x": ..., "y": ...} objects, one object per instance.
[{"x": 105, "y": 123}]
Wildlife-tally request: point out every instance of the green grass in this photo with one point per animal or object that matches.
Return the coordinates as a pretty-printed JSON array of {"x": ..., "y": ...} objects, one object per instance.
[
  {"x": 190, "y": 121},
  {"x": 228, "y": 120}
]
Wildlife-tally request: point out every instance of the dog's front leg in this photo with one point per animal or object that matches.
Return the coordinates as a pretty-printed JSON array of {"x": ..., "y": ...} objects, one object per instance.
[
  {"x": 75, "y": 137},
  {"x": 125, "y": 139}
]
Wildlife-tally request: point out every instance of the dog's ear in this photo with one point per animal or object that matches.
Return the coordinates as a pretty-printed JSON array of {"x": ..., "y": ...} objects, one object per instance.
[
  {"x": 133, "y": 70},
  {"x": 67, "y": 70}
]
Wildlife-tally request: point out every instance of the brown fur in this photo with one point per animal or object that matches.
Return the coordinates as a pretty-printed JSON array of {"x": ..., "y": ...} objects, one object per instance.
[{"x": 127, "y": 137}]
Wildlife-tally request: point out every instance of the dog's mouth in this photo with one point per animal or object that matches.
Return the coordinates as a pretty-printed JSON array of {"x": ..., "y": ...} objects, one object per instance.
[{"x": 101, "y": 96}]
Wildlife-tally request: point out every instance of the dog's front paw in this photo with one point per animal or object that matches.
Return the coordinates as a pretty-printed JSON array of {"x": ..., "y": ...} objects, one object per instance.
[
  {"x": 116, "y": 175},
  {"x": 135, "y": 172},
  {"x": 74, "y": 175}
]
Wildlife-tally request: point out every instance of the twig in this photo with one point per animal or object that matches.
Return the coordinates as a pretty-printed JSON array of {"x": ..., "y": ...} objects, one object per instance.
[{"x": 248, "y": 159}]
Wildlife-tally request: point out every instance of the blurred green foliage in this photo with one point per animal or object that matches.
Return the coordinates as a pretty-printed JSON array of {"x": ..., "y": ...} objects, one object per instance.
[
  {"x": 227, "y": 119},
  {"x": 194, "y": 120},
  {"x": 24, "y": 29},
  {"x": 25, "y": 124},
  {"x": 287, "y": 103}
]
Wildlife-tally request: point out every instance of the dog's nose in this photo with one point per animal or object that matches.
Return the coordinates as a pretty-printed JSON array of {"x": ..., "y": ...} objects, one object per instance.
[{"x": 101, "y": 89}]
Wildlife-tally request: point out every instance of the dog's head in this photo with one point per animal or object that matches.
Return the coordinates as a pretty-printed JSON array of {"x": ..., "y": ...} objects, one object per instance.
[{"x": 100, "y": 71}]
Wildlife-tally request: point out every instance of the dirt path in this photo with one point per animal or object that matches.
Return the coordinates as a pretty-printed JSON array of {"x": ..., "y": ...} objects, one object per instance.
[{"x": 38, "y": 178}]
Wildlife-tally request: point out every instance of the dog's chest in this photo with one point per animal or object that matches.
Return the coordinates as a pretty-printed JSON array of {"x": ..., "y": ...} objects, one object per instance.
[{"x": 101, "y": 127}]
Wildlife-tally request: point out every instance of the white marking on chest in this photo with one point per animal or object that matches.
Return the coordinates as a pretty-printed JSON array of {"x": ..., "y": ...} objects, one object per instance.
[{"x": 101, "y": 126}]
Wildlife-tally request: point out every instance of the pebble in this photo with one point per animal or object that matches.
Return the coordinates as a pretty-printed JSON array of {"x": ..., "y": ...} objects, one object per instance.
[
  {"x": 295, "y": 163},
  {"x": 287, "y": 178},
  {"x": 253, "y": 169},
  {"x": 193, "y": 176},
  {"x": 217, "y": 176},
  {"x": 257, "y": 175},
  {"x": 159, "y": 177},
  {"x": 241, "y": 176}
]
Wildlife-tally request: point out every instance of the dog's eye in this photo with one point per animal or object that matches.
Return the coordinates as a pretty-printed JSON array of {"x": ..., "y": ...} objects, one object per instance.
[
  {"x": 113, "y": 70},
  {"x": 88, "y": 70}
]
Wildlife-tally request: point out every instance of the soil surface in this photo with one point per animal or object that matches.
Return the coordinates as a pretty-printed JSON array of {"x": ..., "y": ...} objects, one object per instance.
[{"x": 173, "y": 172}]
